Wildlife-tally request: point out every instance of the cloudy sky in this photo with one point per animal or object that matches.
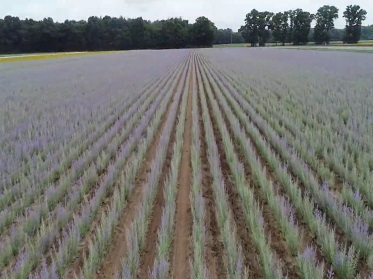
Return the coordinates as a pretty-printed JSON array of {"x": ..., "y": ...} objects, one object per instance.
[{"x": 224, "y": 13}]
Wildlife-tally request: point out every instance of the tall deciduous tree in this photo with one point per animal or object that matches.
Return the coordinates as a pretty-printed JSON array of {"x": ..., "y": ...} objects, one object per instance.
[
  {"x": 250, "y": 29},
  {"x": 227, "y": 36},
  {"x": 264, "y": 25},
  {"x": 291, "y": 26},
  {"x": 171, "y": 33},
  {"x": 354, "y": 16},
  {"x": 202, "y": 32},
  {"x": 325, "y": 17},
  {"x": 301, "y": 26},
  {"x": 256, "y": 28},
  {"x": 107, "y": 33},
  {"x": 280, "y": 27}
]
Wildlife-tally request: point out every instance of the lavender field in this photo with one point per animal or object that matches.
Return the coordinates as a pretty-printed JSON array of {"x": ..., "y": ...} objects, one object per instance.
[{"x": 211, "y": 163}]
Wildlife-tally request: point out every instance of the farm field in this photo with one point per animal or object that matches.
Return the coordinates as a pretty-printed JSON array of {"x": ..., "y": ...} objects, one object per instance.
[
  {"x": 355, "y": 48},
  {"x": 210, "y": 163},
  {"x": 41, "y": 56},
  {"x": 362, "y": 46}
]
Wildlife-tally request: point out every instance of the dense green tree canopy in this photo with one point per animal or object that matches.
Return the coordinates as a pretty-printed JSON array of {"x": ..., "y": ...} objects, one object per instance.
[
  {"x": 301, "y": 26},
  {"x": 280, "y": 27},
  {"x": 354, "y": 16},
  {"x": 250, "y": 29},
  {"x": 110, "y": 33},
  {"x": 173, "y": 33},
  {"x": 292, "y": 26},
  {"x": 367, "y": 32},
  {"x": 202, "y": 32},
  {"x": 227, "y": 36},
  {"x": 325, "y": 17},
  {"x": 256, "y": 28},
  {"x": 107, "y": 33}
]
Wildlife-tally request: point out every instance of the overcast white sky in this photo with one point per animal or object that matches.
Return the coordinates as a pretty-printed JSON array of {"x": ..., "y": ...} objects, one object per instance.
[{"x": 224, "y": 13}]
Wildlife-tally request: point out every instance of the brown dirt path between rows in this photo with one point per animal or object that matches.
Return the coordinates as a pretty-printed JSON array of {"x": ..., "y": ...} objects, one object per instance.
[
  {"x": 250, "y": 255},
  {"x": 76, "y": 265},
  {"x": 271, "y": 231},
  {"x": 148, "y": 255},
  {"x": 112, "y": 262},
  {"x": 183, "y": 217},
  {"x": 308, "y": 238},
  {"x": 214, "y": 245}
]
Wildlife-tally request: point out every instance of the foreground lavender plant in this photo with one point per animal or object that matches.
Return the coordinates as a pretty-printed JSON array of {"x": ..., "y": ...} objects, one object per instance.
[
  {"x": 43, "y": 241},
  {"x": 197, "y": 262},
  {"x": 309, "y": 266},
  {"x": 165, "y": 234},
  {"x": 137, "y": 231},
  {"x": 235, "y": 267},
  {"x": 255, "y": 221}
]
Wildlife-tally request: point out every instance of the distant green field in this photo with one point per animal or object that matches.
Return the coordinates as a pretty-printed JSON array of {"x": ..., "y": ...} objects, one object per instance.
[
  {"x": 41, "y": 56},
  {"x": 334, "y": 48},
  {"x": 230, "y": 45},
  {"x": 365, "y": 46}
]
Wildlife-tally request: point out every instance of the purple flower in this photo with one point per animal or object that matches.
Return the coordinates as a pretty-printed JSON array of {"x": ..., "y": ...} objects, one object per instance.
[
  {"x": 309, "y": 254},
  {"x": 330, "y": 274},
  {"x": 357, "y": 196}
]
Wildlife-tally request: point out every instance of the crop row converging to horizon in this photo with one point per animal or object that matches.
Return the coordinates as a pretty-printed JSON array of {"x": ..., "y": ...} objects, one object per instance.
[
  {"x": 211, "y": 163},
  {"x": 111, "y": 33}
]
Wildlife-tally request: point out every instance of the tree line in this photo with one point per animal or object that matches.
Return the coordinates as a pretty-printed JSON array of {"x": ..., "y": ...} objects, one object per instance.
[
  {"x": 107, "y": 33},
  {"x": 111, "y": 33},
  {"x": 294, "y": 26}
]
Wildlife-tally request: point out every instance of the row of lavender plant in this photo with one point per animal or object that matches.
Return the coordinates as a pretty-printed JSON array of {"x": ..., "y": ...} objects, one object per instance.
[
  {"x": 8, "y": 215},
  {"x": 48, "y": 120},
  {"x": 54, "y": 161},
  {"x": 57, "y": 147},
  {"x": 52, "y": 150},
  {"x": 338, "y": 101},
  {"x": 63, "y": 256},
  {"x": 351, "y": 197},
  {"x": 86, "y": 109},
  {"x": 161, "y": 264},
  {"x": 348, "y": 108},
  {"x": 344, "y": 122},
  {"x": 32, "y": 188},
  {"x": 52, "y": 231},
  {"x": 343, "y": 261},
  {"x": 52, "y": 224},
  {"x": 136, "y": 233},
  {"x": 74, "y": 149},
  {"x": 233, "y": 250},
  {"x": 24, "y": 154},
  {"x": 198, "y": 265},
  {"x": 354, "y": 184},
  {"x": 44, "y": 213},
  {"x": 110, "y": 219},
  {"x": 307, "y": 149},
  {"x": 348, "y": 221},
  {"x": 49, "y": 233},
  {"x": 319, "y": 140},
  {"x": 281, "y": 208},
  {"x": 254, "y": 219}
]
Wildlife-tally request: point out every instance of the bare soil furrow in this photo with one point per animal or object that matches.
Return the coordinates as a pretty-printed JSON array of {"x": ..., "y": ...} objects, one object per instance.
[
  {"x": 248, "y": 246},
  {"x": 183, "y": 218},
  {"x": 54, "y": 234},
  {"x": 189, "y": 163},
  {"x": 148, "y": 256},
  {"x": 308, "y": 237},
  {"x": 272, "y": 232},
  {"x": 214, "y": 244},
  {"x": 118, "y": 247}
]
